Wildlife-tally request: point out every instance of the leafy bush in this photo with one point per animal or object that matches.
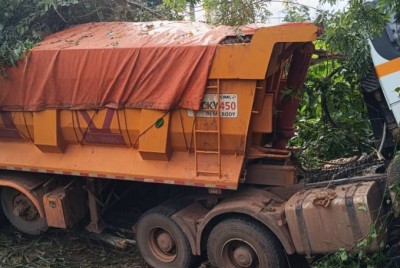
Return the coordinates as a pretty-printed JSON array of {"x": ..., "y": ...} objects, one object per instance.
[{"x": 332, "y": 120}]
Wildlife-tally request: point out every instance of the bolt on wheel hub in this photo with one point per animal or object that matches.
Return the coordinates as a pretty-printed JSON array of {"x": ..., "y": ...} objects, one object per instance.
[
  {"x": 163, "y": 245},
  {"x": 23, "y": 208},
  {"x": 165, "y": 242},
  {"x": 243, "y": 256}
]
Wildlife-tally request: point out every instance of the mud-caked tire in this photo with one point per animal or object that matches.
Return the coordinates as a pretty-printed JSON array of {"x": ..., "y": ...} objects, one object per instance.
[
  {"x": 240, "y": 242},
  {"x": 161, "y": 242},
  {"x": 21, "y": 212}
]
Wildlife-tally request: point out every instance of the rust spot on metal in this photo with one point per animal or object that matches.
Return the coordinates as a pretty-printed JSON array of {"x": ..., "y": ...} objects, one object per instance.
[{"x": 267, "y": 201}]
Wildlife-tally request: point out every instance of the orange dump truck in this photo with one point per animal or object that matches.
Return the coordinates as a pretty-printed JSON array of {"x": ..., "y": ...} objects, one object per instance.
[{"x": 208, "y": 109}]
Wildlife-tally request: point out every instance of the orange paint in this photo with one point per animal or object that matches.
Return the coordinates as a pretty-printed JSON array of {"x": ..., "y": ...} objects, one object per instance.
[
  {"x": 126, "y": 144},
  {"x": 388, "y": 68}
]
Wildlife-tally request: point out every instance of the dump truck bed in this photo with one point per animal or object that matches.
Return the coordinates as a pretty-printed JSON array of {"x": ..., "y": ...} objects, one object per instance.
[
  {"x": 168, "y": 109},
  {"x": 158, "y": 65}
]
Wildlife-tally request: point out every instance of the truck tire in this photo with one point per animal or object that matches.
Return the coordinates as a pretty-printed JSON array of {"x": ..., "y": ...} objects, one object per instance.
[
  {"x": 244, "y": 243},
  {"x": 3, "y": 219},
  {"x": 161, "y": 242},
  {"x": 21, "y": 212}
]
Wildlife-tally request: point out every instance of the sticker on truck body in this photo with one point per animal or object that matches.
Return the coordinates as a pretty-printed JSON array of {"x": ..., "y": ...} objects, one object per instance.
[{"x": 228, "y": 106}]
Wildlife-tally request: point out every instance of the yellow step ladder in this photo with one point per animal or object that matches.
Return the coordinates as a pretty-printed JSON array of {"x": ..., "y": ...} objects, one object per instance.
[{"x": 217, "y": 132}]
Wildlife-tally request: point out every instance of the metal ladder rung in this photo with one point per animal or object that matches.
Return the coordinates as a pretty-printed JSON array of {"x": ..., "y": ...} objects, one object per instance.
[
  {"x": 206, "y": 131},
  {"x": 209, "y": 172},
  {"x": 207, "y": 152},
  {"x": 217, "y": 131}
]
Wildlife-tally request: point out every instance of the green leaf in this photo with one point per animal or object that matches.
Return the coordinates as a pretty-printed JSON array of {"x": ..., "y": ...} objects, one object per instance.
[
  {"x": 362, "y": 207},
  {"x": 343, "y": 255},
  {"x": 362, "y": 243},
  {"x": 397, "y": 89},
  {"x": 374, "y": 235},
  {"x": 159, "y": 123}
]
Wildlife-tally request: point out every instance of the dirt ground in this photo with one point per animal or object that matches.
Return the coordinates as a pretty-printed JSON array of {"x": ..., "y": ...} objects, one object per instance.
[
  {"x": 76, "y": 247},
  {"x": 60, "y": 248},
  {"x": 72, "y": 248}
]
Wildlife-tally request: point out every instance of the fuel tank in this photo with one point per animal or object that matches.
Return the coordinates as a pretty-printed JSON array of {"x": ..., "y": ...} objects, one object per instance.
[{"x": 323, "y": 220}]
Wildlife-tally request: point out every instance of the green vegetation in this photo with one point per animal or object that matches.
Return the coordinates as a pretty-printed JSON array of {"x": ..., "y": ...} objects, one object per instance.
[
  {"x": 332, "y": 120},
  {"x": 359, "y": 257},
  {"x": 235, "y": 12},
  {"x": 25, "y": 22}
]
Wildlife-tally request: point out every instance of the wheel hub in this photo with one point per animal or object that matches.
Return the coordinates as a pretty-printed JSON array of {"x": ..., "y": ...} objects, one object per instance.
[
  {"x": 20, "y": 210},
  {"x": 23, "y": 208},
  {"x": 162, "y": 244},
  {"x": 243, "y": 256},
  {"x": 165, "y": 242},
  {"x": 239, "y": 254}
]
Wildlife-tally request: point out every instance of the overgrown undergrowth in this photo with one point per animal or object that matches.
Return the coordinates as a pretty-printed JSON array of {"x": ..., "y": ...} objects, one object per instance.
[{"x": 60, "y": 248}]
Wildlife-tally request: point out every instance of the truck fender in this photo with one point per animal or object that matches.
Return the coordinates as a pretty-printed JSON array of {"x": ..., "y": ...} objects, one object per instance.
[
  {"x": 26, "y": 184},
  {"x": 259, "y": 204}
]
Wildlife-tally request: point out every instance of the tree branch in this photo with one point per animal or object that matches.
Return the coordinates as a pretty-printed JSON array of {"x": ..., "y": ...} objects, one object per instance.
[
  {"x": 324, "y": 55},
  {"x": 327, "y": 116},
  {"x": 151, "y": 11}
]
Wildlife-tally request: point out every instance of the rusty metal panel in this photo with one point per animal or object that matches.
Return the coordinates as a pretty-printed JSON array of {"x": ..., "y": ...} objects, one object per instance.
[
  {"x": 322, "y": 220},
  {"x": 270, "y": 175},
  {"x": 64, "y": 207},
  {"x": 260, "y": 204},
  {"x": 188, "y": 220}
]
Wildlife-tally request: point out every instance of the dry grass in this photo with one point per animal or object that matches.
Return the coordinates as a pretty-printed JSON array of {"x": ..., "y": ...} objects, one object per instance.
[{"x": 59, "y": 248}]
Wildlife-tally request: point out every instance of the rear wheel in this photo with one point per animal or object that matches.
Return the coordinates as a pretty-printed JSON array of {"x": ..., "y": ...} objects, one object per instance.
[
  {"x": 238, "y": 243},
  {"x": 161, "y": 242},
  {"x": 21, "y": 212}
]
